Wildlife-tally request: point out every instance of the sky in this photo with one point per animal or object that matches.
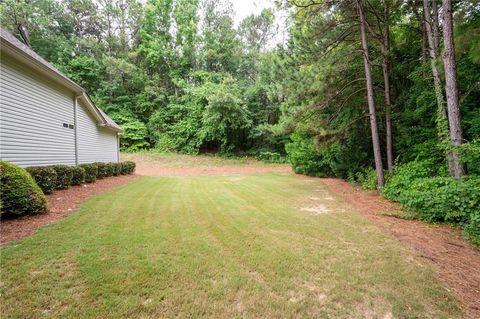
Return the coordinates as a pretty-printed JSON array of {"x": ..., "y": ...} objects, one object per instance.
[{"x": 244, "y": 8}]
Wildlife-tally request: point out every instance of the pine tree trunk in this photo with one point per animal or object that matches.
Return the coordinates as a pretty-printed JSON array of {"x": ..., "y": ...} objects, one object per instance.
[
  {"x": 371, "y": 103},
  {"x": 451, "y": 88},
  {"x": 386, "y": 79},
  {"x": 435, "y": 27},
  {"x": 442, "y": 121}
]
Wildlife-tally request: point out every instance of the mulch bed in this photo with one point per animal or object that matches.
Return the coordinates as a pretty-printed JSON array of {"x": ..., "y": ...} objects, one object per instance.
[
  {"x": 456, "y": 261},
  {"x": 61, "y": 203}
]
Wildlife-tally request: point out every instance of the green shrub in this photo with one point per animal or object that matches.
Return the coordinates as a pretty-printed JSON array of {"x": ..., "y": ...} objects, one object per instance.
[
  {"x": 44, "y": 176},
  {"x": 367, "y": 178},
  {"x": 472, "y": 229},
  {"x": 78, "y": 175},
  {"x": 118, "y": 169},
  {"x": 305, "y": 158},
  {"x": 445, "y": 199},
  {"x": 101, "y": 170},
  {"x": 128, "y": 167},
  {"x": 64, "y": 176},
  {"x": 19, "y": 194},
  {"x": 91, "y": 171},
  {"x": 110, "y": 169},
  {"x": 404, "y": 175}
]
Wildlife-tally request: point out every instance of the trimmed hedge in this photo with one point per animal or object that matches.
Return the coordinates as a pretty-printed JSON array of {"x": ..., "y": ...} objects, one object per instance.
[
  {"x": 101, "y": 169},
  {"x": 78, "y": 175},
  {"x": 91, "y": 172},
  {"x": 64, "y": 176},
  {"x": 110, "y": 169},
  {"x": 128, "y": 167},
  {"x": 44, "y": 176},
  {"x": 19, "y": 194},
  {"x": 118, "y": 169}
]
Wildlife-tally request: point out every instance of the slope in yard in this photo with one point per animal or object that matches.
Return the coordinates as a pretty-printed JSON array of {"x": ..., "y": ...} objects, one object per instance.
[{"x": 265, "y": 245}]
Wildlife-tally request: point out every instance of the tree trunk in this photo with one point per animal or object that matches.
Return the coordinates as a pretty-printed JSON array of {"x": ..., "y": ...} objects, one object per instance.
[
  {"x": 386, "y": 79},
  {"x": 424, "y": 42},
  {"x": 451, "y": 88},
  {"x": 442, "y": 121},
  {"x": 435, "y": 27},
  {"x": 371, "y": 103}
]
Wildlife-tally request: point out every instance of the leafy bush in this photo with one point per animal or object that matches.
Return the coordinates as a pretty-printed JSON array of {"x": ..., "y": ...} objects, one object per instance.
[
  {"x": 128, "y": 167},
  {"x": 404, "y": 175},
  {"x": 44, "y": 176},
  {"x": 305, "y": 158},
  {"x": 445, "y": 199},
  {"x": 64, "y": 176},
  {"x": 102, "y": 170},
  {"x": 117, "y": 169},
  {"x": 78, "y": 175},
  {"x": 19, "y": 194},
  {"x": 91, "y": 171},
  {"x": 110, "y": 169},
  {"x": 472, "y": 229},
  {"x": 367, "y": 178}
]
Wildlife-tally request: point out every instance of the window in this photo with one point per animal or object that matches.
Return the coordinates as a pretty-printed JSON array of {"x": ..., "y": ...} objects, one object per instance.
[
  {"x": 65, "y": 125},
  {"x": 70, "y": 126}
]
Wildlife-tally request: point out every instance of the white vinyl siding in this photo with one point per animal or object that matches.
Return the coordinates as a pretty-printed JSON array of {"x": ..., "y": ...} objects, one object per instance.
[
  {"x": 32, "y": 112},
  {"x": 95, "y": 143}
]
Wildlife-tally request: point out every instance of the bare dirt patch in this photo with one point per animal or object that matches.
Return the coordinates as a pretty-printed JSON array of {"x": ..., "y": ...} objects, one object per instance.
[
  {"x": 319, "y": 209},
  {"x": 456, "y": 261},
  {"x": 61, "y": 203}
]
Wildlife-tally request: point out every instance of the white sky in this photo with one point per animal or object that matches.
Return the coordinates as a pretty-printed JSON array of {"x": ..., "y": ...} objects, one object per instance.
[{"x": 244, "y": 8}]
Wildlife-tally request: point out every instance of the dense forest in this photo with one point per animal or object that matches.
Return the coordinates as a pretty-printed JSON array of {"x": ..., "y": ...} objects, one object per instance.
[{"x": 381, "y": 92}]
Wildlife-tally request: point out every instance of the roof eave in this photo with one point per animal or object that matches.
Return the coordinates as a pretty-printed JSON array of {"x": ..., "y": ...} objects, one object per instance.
[{"x": 18, "y": 54}]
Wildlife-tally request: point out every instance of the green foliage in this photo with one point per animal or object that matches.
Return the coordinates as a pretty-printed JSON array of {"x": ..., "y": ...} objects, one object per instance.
[
  {"x": 305, "y": 158},
  {"x": 91, "y": 172},
  {"x": 109, "y": 169},
  {"x": 404, "y": 175},
  {"x": 44, "y": 176},
  {"x": 367, "y": 178},
  {"x": 128, "y": 167},
  {"x": 19, "y": 194},
  {"x": 445, "y": 199},
  {"x": 472, "y": 229},
  {"x": 135, "y": 133},
  {"x": 102, "y": 170},
  {"x": 64, "y": 176},
  {"x": 78, "y": 175},
  {"x": 117, "y": 169}
]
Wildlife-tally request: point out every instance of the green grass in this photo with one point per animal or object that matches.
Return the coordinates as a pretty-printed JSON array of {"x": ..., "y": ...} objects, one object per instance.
[
  {"x": 174, "y": 160},
  {"x": 217, "y": 247}
]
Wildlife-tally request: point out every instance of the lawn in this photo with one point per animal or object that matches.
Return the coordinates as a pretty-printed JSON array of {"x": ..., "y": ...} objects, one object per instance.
[{"x": 265, "y": 245}]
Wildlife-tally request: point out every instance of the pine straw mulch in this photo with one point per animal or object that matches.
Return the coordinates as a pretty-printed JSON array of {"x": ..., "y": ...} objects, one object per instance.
[
  {"x": 456, "y": 261},
  {"x": 61, "y": 203}
]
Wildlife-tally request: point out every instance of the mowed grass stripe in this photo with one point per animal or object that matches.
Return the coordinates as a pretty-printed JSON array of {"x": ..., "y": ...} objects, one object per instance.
[{"x": 216, "y": 246}]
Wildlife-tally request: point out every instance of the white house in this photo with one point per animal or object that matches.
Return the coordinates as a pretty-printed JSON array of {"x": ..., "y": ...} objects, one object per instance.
[{"x": 46, "y": 118}]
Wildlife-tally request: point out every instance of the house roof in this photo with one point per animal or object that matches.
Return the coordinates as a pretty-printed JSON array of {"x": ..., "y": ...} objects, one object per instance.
[{"x": 19, "y": 50}]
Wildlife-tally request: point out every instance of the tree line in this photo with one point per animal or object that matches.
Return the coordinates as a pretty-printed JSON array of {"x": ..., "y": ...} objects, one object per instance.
[{"x": 357, "y": 84}]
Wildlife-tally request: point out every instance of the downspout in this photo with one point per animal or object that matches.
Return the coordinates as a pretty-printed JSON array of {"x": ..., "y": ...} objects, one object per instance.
[
  {"x": 75, "y": 106},
  {"x": 118, "y": 147}
]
